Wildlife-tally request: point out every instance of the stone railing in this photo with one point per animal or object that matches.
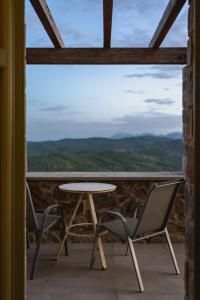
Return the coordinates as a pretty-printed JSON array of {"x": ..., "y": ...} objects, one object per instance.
[{"x": 131, "y": 188}]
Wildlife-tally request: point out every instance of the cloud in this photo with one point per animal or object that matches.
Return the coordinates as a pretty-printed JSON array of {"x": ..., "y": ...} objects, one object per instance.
[
  {"x": 167, "y": 68},
  {"x": 131, "y": 38},
  {"x": 77, "y": 38},
  {"x": 122, "y": 6},
  {"x": 76, "y": 5},
  {"x": 72, "y": 33},
  {"x": 56, "y": 108},
  {"x": 150, "y": 121},
  {"x": 94, "y": 98},
  {"x": 139, "y": 92},
  {"x": 140, "y": 6},
  {"x": 42, "y": 41},
  {"x": 35, "y": 102},
  {"x": 154, "y": 122},
  {"x": 146, "y": 5},
  {"x": 177, "y": 36},
  {"x": 163, "y": 72},
  {"x": 138, "y": 21},
  {"x": 74, "y": 113},
  {"x": 165, "y": 101},
  {"x": 62, "y": 109},
  {"x": 35, "y": 32},
  {"x": 152, "y": 75},
  {"x": 139, "y": 15}
]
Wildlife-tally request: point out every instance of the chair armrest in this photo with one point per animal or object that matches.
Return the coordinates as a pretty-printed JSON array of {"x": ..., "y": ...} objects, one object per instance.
[
  {"x": 50, "y": 207},
  {"x": 116, "y": 215},
  {"x": 137, "y": 209},
  {"x": 46, "y": 213}
]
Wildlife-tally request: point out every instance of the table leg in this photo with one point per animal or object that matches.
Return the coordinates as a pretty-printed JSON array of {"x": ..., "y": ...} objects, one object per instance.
[
  {"x": 94, "y": 220},
  {"x": 70, "y": 223}
]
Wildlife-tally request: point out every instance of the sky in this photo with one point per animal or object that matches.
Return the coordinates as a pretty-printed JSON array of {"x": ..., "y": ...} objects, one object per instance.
[{"x": 101, "y": 101}]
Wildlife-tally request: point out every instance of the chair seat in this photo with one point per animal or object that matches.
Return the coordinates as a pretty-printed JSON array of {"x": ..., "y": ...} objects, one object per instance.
[
  {"x": 50, "y": 221},
  {"x": 116, "y": 227}
]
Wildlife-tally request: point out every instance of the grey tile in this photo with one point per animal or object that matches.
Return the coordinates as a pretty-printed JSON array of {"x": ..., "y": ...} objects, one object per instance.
[
  {"x": 34, "y": 296},
  {"x": 79, "y": 285},
  {"x": 71, "y": 278},
  {"x": 66, "y": 270},
  {"x": 154, "y": 285},
  {"x": 35, "y": 286},
  {"x": 145, "y": 296},
  {"x": 69, "y": 296}
]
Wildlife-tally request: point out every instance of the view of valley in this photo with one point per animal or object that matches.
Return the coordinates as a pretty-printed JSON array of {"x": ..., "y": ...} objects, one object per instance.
[{"x": 134, "y": 153}]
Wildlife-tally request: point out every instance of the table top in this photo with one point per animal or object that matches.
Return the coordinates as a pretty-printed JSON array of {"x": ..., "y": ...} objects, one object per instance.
[{"x": 87, "y": 187}]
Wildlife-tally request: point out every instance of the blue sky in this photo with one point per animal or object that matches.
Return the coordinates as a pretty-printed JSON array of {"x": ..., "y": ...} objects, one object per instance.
[{"x": 84, "y": 101}]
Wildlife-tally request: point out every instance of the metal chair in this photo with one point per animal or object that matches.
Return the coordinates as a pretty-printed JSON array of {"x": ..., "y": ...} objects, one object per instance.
[
  {"x": 40, "y": 223},
  {"x": 150, "y": 221}
]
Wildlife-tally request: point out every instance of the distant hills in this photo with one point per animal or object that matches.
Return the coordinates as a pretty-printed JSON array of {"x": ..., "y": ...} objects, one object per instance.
[
  {"x": 140, "y": 153},
  {"x": 173, "y": 135},
  {"x": 121, "y": 135}
]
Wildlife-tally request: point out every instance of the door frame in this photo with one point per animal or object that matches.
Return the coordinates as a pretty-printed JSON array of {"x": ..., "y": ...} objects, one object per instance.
[{"x": 12, "y": 149}]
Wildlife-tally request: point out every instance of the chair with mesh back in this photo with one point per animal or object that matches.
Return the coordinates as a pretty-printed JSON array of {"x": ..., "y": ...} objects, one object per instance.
[
  {"x": 40, "y": 223},
  {"x": 151, "y": 221}
]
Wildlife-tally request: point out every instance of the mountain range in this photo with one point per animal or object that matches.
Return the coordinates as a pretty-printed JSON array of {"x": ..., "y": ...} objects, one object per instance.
[
  {"x": 172, "y": 135},
  {"x": 138, "y": 153}
]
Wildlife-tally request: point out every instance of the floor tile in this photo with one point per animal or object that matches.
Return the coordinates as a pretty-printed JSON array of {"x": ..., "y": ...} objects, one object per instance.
[{"x": 71, "y": 277}]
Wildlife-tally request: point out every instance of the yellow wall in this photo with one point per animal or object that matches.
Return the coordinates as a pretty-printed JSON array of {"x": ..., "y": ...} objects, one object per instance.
[{"x": 12, "y": 149}]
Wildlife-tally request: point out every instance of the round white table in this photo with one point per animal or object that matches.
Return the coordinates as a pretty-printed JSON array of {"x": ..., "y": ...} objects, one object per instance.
[{"x": 88, "y": 189}]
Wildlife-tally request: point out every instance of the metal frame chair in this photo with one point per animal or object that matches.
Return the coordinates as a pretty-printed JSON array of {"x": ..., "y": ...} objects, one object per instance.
[
  {"x": 40, "y": 223},
  {"x": 150, "y": 221}
]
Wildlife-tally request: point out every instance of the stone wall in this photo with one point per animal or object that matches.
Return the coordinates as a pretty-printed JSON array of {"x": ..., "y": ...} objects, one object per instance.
[
  {"x": 188, "y": 129},
  {"x": 128, "y": 193}
]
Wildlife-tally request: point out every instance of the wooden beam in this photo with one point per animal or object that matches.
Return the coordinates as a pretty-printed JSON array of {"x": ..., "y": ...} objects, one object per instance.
[
  {"x": 97, "y": 56},
  {"x": 170, "y": 14},
  {"x": 107, "y": 22},
  {"x": 42, "y": 10}
]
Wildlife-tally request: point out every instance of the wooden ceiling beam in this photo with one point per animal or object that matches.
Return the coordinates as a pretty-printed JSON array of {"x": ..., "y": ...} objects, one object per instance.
[
  {"x": 97, "y": 56},
  {"x": 107, "y": 22},
  {"x": 170, "y": 14},
  {"x": 42, "y": 10}
]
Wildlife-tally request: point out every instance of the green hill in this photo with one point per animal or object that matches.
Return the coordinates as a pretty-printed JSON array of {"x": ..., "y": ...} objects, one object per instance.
[{"x": 143, "y": 153}]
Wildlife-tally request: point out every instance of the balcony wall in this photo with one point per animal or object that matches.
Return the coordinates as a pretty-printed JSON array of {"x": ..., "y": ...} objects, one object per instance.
[{"x": 131, "y": 188}]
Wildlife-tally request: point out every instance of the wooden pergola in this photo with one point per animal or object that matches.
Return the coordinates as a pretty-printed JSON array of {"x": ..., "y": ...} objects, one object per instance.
[{"x": 152, "y": 54}]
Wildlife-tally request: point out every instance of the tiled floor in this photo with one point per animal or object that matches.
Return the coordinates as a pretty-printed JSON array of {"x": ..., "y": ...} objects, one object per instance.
[{"x": 71, "y": 278}]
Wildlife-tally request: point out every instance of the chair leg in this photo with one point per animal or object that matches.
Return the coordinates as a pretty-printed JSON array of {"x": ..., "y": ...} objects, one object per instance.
[
  {"x": 63, "y": 230},
  {"x": 36, "y": 255},
  {"x": 172, "y": 251},
  {"x": 137, "y": 270},
  {"x": 27, "y": 241},
  {"x": 95, "y": 244},
  {"x": 66, "y": 246}
]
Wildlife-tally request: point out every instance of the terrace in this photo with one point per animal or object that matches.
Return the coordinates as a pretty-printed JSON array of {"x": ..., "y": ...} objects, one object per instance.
[{"x": 70, "y": 277}]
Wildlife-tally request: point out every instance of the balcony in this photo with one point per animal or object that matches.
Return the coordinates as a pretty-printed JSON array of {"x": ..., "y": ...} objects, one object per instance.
[{"x": 71, "y": 278}]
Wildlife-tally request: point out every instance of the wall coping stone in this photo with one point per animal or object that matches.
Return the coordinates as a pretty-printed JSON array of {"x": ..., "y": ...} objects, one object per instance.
[{"x": 83, "y": 176}]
